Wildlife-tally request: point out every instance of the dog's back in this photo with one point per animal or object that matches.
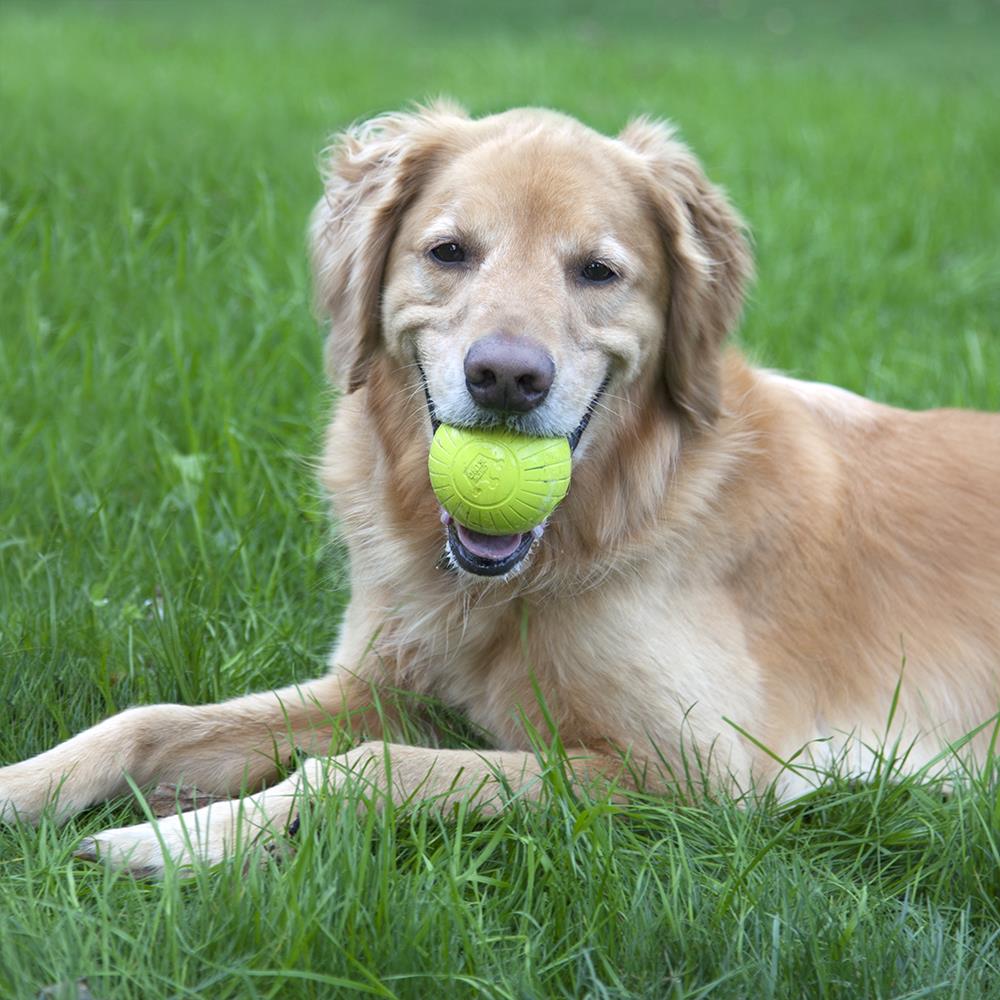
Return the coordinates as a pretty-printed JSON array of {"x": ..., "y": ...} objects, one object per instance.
[{"x": 883, "y": 568}]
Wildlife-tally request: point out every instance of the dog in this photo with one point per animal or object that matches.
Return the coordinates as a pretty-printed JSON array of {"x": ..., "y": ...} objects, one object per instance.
[{"x": 765, "y": 576}]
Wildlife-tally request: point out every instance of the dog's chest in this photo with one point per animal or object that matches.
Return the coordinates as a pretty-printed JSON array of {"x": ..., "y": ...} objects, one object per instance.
[{"x": 602, "y": 666}]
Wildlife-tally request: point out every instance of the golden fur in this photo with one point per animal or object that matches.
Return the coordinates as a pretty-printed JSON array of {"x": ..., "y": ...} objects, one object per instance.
[{"x": 740, "y": 553}]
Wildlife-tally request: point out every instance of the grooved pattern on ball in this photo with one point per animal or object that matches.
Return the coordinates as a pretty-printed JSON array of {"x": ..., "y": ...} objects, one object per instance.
[{"x": 495, "y": 481}]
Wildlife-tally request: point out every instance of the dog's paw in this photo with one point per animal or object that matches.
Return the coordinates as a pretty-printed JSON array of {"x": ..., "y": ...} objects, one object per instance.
[
  {"x": 24, "y": 793},
  {"x": 204, "y": 836},
  {"x": 126, "y": 850}
]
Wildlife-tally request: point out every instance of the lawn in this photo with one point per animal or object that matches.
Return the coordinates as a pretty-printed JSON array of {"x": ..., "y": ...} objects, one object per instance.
[{"x": 162, "y": 537}]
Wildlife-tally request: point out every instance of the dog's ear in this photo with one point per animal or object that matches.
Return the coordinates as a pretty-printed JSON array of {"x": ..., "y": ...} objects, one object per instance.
[
  {"x": 372, "y": 172},
  {"x": 708, "y": 262}
]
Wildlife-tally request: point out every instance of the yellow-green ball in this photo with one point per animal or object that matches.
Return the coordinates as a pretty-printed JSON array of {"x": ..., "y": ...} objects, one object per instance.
[{"x": 497, "y": 482}]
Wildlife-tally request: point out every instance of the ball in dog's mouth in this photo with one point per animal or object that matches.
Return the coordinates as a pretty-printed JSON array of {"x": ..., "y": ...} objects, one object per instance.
[
  {"x": 490, "y": 554},
  {"x": 487, "y": 555}
]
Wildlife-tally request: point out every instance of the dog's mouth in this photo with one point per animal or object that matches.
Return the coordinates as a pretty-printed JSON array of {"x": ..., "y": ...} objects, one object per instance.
[
  {"x": 487, "y": 555},
  {"x": 496, "y": 555}
]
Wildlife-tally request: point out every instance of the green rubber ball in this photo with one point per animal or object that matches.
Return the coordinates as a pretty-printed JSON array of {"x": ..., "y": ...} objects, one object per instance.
[{"x": 497, "y": 482}]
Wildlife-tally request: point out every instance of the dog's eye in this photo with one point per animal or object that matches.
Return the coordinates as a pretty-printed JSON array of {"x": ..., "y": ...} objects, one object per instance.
[
  {"x": 596, "y": 271},
  {"x": 448, "y": 253}
]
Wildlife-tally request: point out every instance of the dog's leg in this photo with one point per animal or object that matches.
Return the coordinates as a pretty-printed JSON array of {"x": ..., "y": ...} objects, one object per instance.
[
  {"x": 216, "y": 749},
  {"x": 486, "y": 780}
]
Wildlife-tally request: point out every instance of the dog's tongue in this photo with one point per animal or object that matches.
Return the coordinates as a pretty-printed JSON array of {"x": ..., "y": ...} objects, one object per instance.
[{"x": 493, "y": 547}]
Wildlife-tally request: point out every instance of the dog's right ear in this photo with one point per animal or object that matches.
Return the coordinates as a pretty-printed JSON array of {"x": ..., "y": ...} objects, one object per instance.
[{"x": 372, "y": 172}]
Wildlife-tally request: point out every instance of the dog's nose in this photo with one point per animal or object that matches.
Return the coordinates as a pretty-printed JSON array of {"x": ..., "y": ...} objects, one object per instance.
[{"x": 508, "y": 373}]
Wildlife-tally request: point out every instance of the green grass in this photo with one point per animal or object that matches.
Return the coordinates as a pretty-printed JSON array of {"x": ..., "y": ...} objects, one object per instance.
[{"x": 161, "y": 401}]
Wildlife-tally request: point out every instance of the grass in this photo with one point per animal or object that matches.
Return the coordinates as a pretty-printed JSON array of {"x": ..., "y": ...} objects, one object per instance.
[{"x": 162, "y": 538}]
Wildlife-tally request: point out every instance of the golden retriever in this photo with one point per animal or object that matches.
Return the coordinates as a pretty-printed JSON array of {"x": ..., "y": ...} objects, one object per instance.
[{"x": 741, "y": 569}]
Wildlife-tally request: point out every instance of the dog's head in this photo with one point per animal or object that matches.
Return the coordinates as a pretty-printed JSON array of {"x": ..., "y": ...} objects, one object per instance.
[{"x": 523, "y": 269}]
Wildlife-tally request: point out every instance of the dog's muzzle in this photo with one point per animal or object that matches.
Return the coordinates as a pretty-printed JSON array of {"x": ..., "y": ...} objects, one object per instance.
[{"x": 494, "y": 555}]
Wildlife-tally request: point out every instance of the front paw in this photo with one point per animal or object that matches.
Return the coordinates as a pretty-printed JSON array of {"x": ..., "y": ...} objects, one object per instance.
[
  {"x": 203, "y": 836},
  {"x": 24, "y": 793},
  {"x": 134, "y": 849}
]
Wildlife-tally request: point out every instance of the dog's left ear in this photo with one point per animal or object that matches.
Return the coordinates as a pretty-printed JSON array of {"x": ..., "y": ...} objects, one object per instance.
[
  {"x": 708, "y": 263},
  {"x": 373, "y": 172}
]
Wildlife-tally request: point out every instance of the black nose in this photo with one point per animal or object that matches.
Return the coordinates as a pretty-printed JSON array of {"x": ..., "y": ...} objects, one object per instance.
[{"x": 509, "y": 373}]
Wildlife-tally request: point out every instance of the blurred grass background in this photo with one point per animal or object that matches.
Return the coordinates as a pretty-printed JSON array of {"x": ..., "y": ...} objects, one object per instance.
[{"x": 161, "y": 536}]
